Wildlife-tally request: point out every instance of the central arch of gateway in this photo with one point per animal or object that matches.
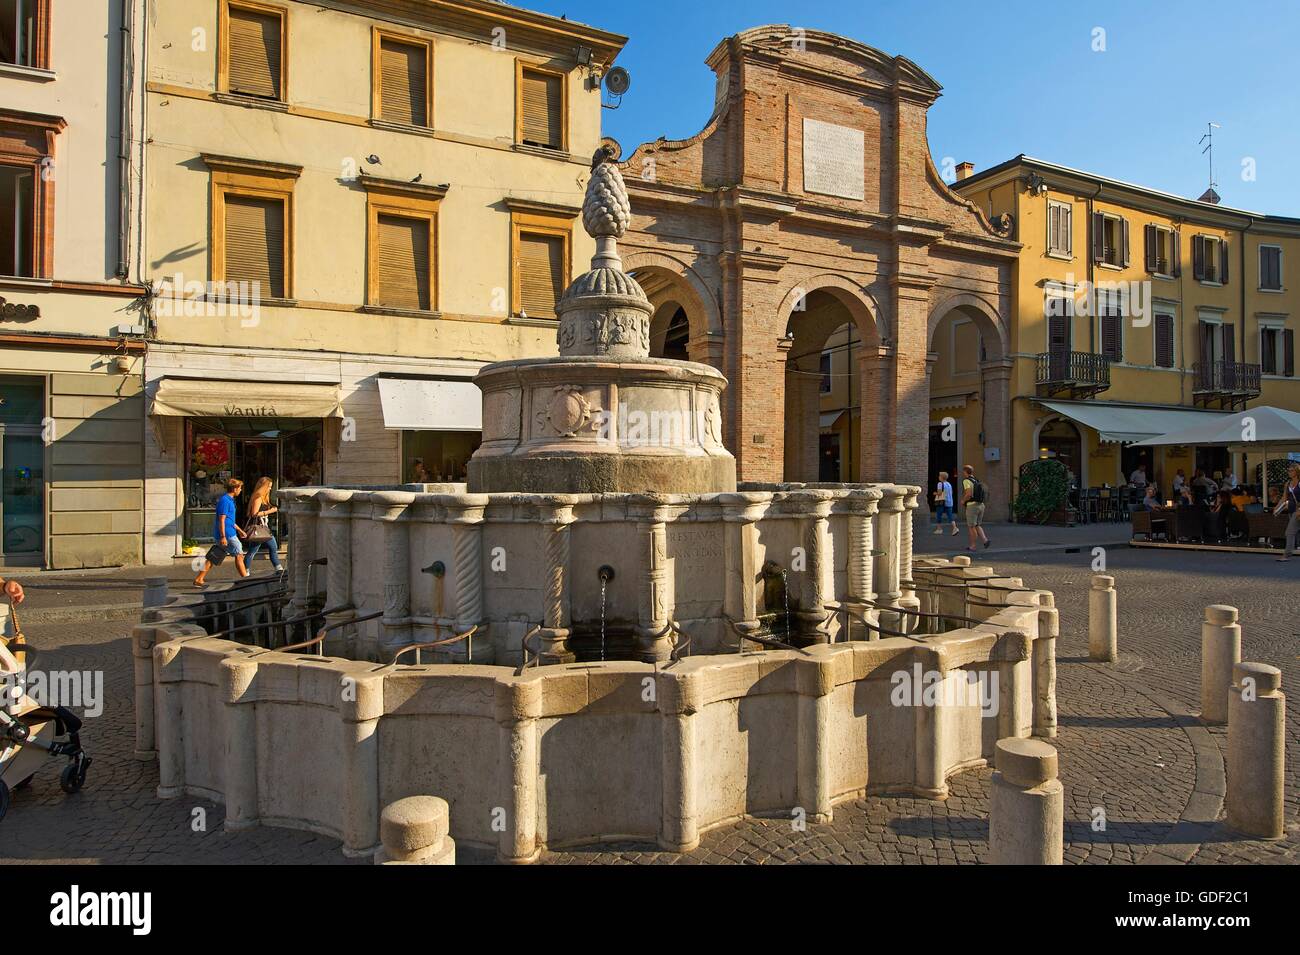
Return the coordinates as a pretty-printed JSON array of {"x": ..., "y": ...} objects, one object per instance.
[{"x": 808, "y": 219}]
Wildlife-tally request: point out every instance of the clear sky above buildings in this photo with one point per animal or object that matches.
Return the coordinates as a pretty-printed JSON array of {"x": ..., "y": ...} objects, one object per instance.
[{"x": 1022, "y": 77}]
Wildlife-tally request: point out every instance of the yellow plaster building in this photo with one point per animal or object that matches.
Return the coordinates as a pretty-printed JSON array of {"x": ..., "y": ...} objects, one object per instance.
[
  {"x": 1136, "y": 312},
  {"x": 351, "y": 207}
]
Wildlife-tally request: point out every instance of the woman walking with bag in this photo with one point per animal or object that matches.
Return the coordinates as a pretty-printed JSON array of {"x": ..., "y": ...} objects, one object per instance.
[
  {"x": 258, "y": 528},
  {"x": 1290, "y": 504}
]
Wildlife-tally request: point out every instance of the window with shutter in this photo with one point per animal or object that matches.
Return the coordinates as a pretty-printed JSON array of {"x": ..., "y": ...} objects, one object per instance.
[
  {"x": 1098, "y": 237},
  {"x": 1058, "y": 228},
  {"x": 1223, "y": 263},
  {"x": 1164, "y": 341},
  {"x": 255, "y": 243},
  {"x": 1111, "y": 326},
  {"x": 1176, "y": 253},
  {"x": 254, "y": 52},
  {"x": 403, "y": 82},
  {"x": 1123, "y": 243},
  {"x": 402, "y": 263},
  {"x": 1198, "y": 257},
  {"x": 1270, "y": 267},
  {"x": 1149, "y": 239},
  {"x": 1288, "y": 353},
  {"x": 541, "y": 109},
  {"x": 540, "y": 264},
  {"x": 1268, "y": 350}
]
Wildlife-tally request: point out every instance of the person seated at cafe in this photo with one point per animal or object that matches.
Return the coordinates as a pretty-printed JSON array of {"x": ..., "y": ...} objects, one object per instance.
[
  {"x": 1186, "y": 498},
  {"x": 1240, "y": 497},
  {"x": 1151, "y": 501},
  {"x": 1274, "y": 498}
]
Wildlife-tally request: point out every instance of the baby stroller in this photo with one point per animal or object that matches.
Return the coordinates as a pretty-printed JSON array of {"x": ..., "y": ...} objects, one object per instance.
[{"x": 30, "y": 732}]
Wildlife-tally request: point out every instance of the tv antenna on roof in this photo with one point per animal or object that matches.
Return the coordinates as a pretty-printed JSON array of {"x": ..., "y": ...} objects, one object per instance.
[{"x": 1209, "y": 148}]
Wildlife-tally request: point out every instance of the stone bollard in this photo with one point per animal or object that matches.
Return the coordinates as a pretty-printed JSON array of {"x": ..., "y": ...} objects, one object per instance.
[
  {"x": 1256, "y": 750},
  {"x": 155, "y": 591},
  {"x": 414, "y": 832},
  {"x": 1220, "y": 652},
  {"x": 1026, "y": 806},
  {"x": 1103, "y": 621}
]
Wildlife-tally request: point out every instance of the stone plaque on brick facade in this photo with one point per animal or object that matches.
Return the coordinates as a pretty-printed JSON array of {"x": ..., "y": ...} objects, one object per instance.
[{"x": 833, "y": 159}]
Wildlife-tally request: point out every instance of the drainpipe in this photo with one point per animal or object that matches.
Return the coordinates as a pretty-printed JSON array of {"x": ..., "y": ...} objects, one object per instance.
[
  {"x": 126, "y": 49},
  {"x": 1250, "y": 223}
]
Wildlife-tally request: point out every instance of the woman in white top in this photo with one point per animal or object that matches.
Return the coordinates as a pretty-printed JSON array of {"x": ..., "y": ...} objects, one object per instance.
[{"x": 943, "y": 504}]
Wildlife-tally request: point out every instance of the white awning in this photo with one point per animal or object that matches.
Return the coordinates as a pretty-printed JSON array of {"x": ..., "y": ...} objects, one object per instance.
[
  {"x": 423, "y": 404},
  {"x": 1124, "y": 424},
  {"x": 242, "y": 398},
  {"x": 828, "y": 419}
]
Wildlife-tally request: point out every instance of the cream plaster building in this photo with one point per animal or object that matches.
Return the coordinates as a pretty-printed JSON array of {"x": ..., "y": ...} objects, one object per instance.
[
  {"x": 71, "y": 333},
  {"x": 351, "y": 208}
]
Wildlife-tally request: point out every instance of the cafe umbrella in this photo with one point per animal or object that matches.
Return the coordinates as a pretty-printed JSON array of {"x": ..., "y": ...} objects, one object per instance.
[{"x": 1261, "y": 429}]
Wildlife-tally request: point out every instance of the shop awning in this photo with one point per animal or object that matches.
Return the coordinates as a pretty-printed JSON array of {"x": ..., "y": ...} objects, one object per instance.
[
  {"x": 242, "y": 398},
  {"x": 828, "y": 419},
  {"x": 425, "y": 404},
  {"x": 1124, "y": 424}
]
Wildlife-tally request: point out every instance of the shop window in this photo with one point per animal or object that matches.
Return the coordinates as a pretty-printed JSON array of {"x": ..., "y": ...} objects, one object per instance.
[
  {"x": 287, "y": 450},
  {"x": 432, "y": 457},
  {"x": 25, "y": 33},
  {"x": 402, "y": 80},
  {"x": 540, "y": 108},
  {"x": 254, "y": 43},
  {"x": 22, "y": 465}
]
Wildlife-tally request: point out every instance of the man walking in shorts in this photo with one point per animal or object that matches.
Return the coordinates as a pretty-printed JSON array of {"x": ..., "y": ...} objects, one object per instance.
[{"x": 973, "y": 497}]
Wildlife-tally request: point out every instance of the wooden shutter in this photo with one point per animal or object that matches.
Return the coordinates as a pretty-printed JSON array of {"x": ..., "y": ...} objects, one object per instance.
[
  {"x": 1058, "y": 324},
  {"x": 1149, "y": 235},
  {"x": 1207, "y": 337},
  {"x": 1223, "y": 262},
  {"x": 254, "y": 56},
  {"x": 1123, "y": 243},
  {"x": 1288, "y": 353},
  {"x": 1176, "y": 252},
  {"x": 254, "y": 238},
  {"x": 1164, "y": 341},
  {"x": 402, "y": 262},
  {"x": 404, "y": 83},
  {"x": 1229, "y": 343},
  {"x": 1098, "y": 237},
  {"x": 1066, "y": 220},
  {"x": 540, "y": 273},
  {"x": 542, "y": 106},
  {"x": 1198, "y": 257},
  {"x": 1111, "y": 333}
]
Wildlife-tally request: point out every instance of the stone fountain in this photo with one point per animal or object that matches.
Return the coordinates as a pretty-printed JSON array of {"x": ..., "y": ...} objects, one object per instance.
[
  {"x": 626, "y": 645},
  {"x": 604, "y": 416}
]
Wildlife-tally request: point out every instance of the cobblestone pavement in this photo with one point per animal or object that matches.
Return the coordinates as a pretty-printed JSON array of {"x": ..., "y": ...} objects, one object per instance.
[{"x": 1130, "y": 747}]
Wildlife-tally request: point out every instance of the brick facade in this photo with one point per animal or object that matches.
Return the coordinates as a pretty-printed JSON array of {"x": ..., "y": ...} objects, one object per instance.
[{"x": 724, "y": 227}]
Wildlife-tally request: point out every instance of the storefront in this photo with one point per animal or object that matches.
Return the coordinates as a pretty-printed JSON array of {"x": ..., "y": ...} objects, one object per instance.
[
  {"x": 22, "y": 469},
  {"x": 273, "y": 429},
  {"x": 440, "y": 421}
]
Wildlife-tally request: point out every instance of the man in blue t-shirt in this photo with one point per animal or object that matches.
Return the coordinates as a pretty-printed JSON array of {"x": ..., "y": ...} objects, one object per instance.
[{"x": 226, "y": 531}]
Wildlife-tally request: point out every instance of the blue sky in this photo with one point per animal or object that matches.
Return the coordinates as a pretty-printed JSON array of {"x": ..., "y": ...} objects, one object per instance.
[{"x": 1021, "y": 77}]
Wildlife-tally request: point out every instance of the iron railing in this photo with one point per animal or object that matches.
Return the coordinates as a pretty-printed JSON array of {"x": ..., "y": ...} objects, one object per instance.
[
  {"x": 1073, "y": 371},
  {"x": 1226, "y": 378}
]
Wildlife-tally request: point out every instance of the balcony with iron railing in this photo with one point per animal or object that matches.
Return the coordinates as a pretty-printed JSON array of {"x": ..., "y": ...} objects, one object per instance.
[
  {"x": 1078, "y": 374},
  {"x": 1228, "y": 384}
]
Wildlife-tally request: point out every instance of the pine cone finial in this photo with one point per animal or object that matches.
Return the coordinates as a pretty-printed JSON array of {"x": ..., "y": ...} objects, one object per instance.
[{"x": 606, "y": 210}]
